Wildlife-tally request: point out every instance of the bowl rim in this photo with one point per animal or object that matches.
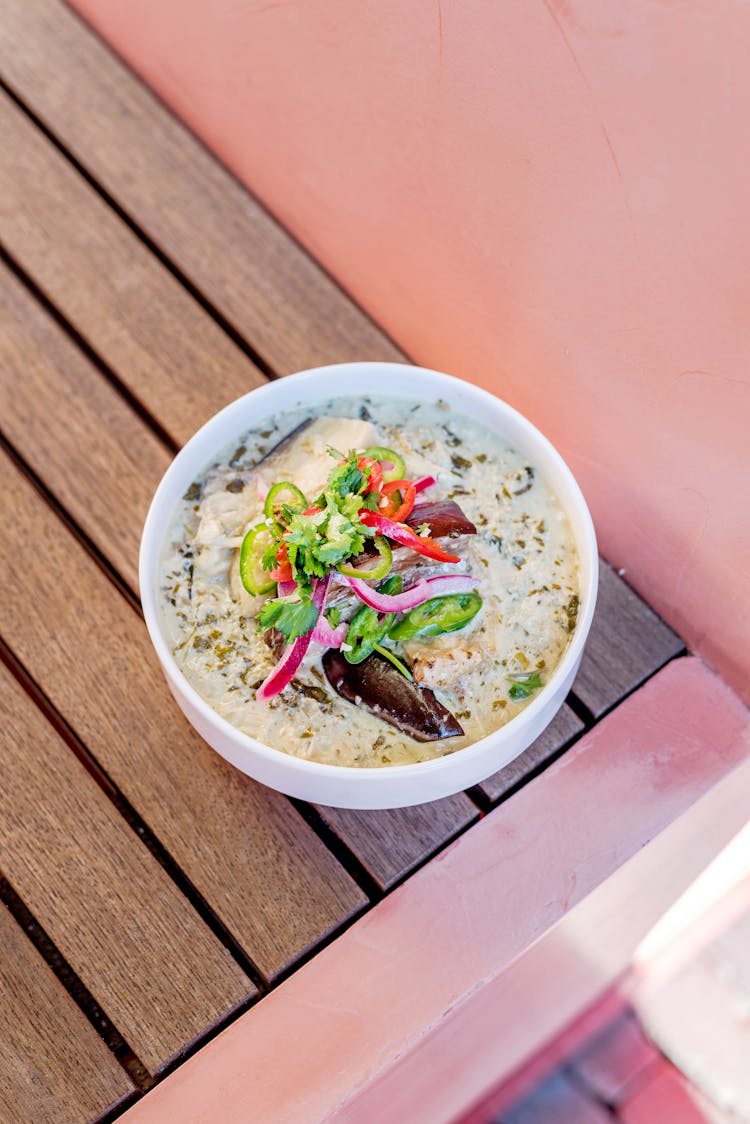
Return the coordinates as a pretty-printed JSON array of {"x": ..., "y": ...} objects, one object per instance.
[{"x": 153, "y": 534}]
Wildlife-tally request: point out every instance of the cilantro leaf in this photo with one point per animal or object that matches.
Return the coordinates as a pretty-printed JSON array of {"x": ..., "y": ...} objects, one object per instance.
[
  {"x": 292, "y": 618},
  {"x": 268, "y": 558},
  {"x": 347, "y": 478}
]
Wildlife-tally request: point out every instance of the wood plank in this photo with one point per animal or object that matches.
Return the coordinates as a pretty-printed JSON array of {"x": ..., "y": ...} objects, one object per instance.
[
  {"x": 131, "y": 310},
  {"x": 627, "y": 643},
  {"x": 53, "y": 1066},
  {"x": 392, "y": 842},
  {"x": 264, "y": 872},
  {"x": 131, "y": 936},
  {"x": 76, "y": 432},
  {"x": 562, "y": 729},
  {"x": 263, "y": 283}
]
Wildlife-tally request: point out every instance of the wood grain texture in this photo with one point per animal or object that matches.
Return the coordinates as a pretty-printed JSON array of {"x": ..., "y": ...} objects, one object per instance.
[
  {"x": 264, "y": 872},
  {"x": 103, "y": 463},
  {"x": 130, "y": 309},
  {"x": 563, "y": 727},
  {"x": 73, "y": 428},
  {"x": 263, "y": 283},
  {"x": 53, "y": 1066},
  {"x": 392, "y": 842},
  {"x": 131, "y": 936},
  {"x": 627, "y": 643}
]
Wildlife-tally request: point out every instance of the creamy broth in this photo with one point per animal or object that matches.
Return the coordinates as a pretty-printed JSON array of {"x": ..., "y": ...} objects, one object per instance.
[{"x": 523, "y": 556}]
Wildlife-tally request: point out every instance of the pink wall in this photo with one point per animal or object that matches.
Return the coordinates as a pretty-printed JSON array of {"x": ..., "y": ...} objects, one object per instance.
[{"x": 549, "y": 197}]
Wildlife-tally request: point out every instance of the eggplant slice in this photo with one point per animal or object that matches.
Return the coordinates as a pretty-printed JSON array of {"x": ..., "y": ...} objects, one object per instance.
[
  {"x": 444, "y": 518},
  {"x": 376, "y": 685}
]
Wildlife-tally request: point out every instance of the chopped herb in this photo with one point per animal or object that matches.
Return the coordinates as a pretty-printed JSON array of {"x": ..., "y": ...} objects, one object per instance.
[
  {"x": 571, "y": 611},
  {"x": 235, "y": 485},
  {"x": 194, "y": 492},
  {"x": 526, "y": 480},
  {"x": 524, "y": 684},
  {"x": 480, "y": 458},
  {"x": 237, "y": 456},
  {"x": 311, "y": 691},
  {"x": 461, "y": 464},
  {"x": 451, "y": 438}
]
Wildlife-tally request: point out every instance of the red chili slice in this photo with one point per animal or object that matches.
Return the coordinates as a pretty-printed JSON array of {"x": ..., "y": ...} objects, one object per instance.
[
  {"x": 391, "y": 510},
  {"x": 400, "y": 533},
  {"x": 282, "y": 572},
  {"x": 375, "y": 483}
]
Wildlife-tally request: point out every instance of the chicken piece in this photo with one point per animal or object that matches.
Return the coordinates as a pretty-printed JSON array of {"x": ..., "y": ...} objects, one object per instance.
[{"x": 442, "y": 667}]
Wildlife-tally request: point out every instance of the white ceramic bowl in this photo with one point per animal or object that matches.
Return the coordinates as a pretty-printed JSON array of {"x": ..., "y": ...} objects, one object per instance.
[{"x": 396, "y": 785}]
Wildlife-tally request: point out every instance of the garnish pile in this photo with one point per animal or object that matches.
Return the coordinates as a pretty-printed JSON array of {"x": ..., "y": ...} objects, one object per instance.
[{"x": 345, "y": 533}]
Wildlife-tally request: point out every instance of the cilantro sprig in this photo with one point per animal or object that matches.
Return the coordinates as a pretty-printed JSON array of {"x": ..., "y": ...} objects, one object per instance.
[
  {"x": 316, "y": 539},
  {"x": 293, "y": 616}
]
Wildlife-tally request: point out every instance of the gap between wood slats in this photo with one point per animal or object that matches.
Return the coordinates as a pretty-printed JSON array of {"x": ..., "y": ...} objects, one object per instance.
[
  {"x": 131, "y": 817},
  {"x": 487, "y": 805},
  {"x": 80, "y": 994},
  {"x": 83, "y": 345},
  {"x": 200, "y": 298}
]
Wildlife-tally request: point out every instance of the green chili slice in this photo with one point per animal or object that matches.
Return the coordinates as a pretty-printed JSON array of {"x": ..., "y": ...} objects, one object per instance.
[
  {"x": 398, "y": 469},
  {"x": 366, "y": 628},
  {"x": 438, "y": 615},
  {"x": 375, "y": 572},
  {"x": 283, "y": 492},
  {"x": 389, "y": 655},
  {"x": 254, "y": 578}
]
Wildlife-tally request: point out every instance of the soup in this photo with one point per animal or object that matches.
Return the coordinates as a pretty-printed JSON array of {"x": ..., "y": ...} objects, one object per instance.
[{"x": 374, "y": 582}]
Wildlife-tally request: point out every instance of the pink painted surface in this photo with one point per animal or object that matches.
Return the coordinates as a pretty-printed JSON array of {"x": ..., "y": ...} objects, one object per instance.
[
  {"x": 326, "y": 1036},
  {"x": 538, "y": 994},
  {"x": 545, "y": 1061},
  {"x": 549, "y": 198},
  {"x": 666, "y": 1099}
]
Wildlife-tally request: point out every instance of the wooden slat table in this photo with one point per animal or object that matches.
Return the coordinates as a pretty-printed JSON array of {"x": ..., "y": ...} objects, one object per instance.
[{"x": 142, "y": 288}]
